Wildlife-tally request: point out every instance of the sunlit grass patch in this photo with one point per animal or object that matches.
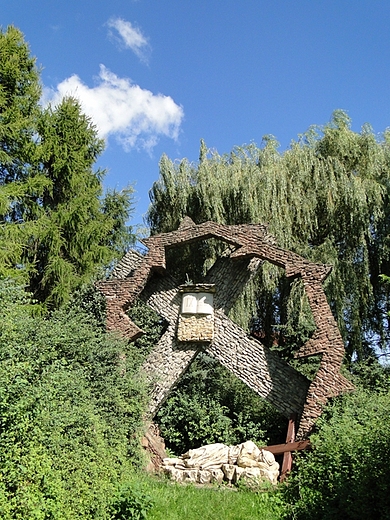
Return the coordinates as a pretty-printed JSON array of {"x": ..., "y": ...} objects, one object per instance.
[{"x": 172, "y": 501}]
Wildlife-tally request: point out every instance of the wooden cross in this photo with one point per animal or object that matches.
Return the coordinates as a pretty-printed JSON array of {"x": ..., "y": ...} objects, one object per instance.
[{"x": 288, "y": 447}]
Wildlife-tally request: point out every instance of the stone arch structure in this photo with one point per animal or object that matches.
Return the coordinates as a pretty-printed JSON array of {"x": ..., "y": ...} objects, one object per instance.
[{"x": 146, "y": 277}]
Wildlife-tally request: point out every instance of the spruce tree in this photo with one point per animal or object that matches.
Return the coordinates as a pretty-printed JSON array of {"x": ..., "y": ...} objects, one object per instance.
[
  {"x": 20, "y": 91},
  {"x": 82, "y": 231},
  {"x": 57, "y": 230}
]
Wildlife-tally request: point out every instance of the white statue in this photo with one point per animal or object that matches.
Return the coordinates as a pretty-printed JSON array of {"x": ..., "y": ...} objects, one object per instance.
[
  {"x": 240, "y": 461},
  {"x": 211, "y": 455}
]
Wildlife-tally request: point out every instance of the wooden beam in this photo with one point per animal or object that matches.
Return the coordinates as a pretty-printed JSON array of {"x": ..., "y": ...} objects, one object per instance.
[
  {"x": 291, "y": 428},
  {"x": 278, "y": 449},
  {"x": 287, "y": 456}
]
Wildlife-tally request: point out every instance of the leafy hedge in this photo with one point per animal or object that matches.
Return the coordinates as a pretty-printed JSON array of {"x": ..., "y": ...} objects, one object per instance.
[
  {"x": 70, "y": 411},
  {"x": 346, "y": 475}
]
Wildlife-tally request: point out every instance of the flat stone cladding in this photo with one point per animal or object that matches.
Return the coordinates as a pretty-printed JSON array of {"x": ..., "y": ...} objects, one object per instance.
[
  {"x": 145, "y": 277},
  {"x": 258, "y": 367},
  {"x": 195, "y": 328}
]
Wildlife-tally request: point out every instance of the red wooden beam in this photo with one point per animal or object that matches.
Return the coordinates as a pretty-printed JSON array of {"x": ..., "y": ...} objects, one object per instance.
[
  {"x": 278, "y": 449},
  {"x": 287, "y": 456},
  {"x": 288, "y": 447}
]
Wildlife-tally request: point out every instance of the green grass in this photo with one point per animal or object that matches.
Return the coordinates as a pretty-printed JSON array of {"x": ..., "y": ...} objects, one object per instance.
[{"x": 173, "y": 501}]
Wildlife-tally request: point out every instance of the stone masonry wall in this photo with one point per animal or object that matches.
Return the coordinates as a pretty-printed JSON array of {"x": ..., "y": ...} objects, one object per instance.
[
  {"x": 258, "y": 367},
  {"x": 145, "y": 277},
  {"x": 195, "y": 328}
]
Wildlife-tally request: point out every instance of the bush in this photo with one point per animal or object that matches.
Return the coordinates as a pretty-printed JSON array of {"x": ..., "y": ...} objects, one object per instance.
[
  {"x": 70, "y": 411},
  {"x": 211, "y": 405},
  {"x": 131, "y": 503},
  {"x": 346, "y": 473}
]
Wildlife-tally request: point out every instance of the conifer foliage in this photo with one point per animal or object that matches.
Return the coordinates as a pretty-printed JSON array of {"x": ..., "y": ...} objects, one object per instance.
[{"x": 57, "y": 230}]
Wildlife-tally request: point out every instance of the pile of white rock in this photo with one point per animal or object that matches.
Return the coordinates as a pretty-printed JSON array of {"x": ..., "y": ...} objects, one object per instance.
[{"x": 216, "y": 463}]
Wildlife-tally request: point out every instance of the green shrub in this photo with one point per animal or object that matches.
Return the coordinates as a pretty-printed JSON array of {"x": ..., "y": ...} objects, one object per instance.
[
  {"x": 131, "y": 503},
  {"x": 346, "y": 474},
  {"x": 211, "y": 405},
  {"x": 70, "y": 413}
]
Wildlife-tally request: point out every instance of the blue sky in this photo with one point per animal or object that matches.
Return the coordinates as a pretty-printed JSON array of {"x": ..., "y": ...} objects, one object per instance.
[{"x": 157, "y": 76}]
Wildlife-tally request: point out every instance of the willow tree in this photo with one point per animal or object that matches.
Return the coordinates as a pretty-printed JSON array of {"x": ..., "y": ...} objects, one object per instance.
[
  {"x": 57, "y": 229},
  {"x": 325, "y": 198}
]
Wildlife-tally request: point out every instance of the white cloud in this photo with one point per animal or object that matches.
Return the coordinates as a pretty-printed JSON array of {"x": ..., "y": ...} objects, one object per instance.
[
  {"x": 131, "y": 37},
  {"x": 135, "y": 116}
]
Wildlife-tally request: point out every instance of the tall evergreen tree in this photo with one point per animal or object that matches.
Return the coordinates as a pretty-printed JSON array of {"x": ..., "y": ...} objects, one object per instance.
[
  {"x": 326, "y": 198},
  {"x": 20, "y": 91},
  {"x": 82, "y": 230},
  {"x": 57, "y": 229}
]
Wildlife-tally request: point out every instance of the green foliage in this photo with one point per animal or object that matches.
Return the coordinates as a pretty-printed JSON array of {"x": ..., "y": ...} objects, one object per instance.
[
  {"x": 151, "y": 323},
  {"x": 57, "y": 230},
  {"x": 211, "y": 405},
  {"x": 372, "y": 376},
  {"x": 70, "y": 410},
  {"x": 189, "y": 422},
  {"x": 131, "y": 503},
  {"x": 82, "y": 232},
  {"x": 19, "y": 95},
  {"x": 326, "y": 198},
  {"x": 346, "y": 473},
  {"x": 91, "y": 301}
]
